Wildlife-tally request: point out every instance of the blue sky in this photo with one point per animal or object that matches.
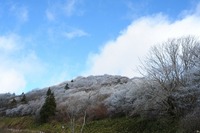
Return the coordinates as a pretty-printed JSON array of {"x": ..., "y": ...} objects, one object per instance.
[{"x": 46, "y": 42}]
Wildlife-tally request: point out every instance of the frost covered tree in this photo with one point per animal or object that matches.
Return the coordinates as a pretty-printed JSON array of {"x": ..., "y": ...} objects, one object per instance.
[
  {"x": 77, "y": 107},
  {"x": 170, "y": 66},
  {"x": 195, "y": 71},
  {"x": 49, "y": 107},
  {"x": 171, "y": 62}
]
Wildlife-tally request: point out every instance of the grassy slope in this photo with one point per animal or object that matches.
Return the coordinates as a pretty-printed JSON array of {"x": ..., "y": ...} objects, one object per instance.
[{"x": 117, "y": 125}]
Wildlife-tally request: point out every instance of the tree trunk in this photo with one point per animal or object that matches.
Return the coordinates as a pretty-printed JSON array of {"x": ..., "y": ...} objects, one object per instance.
[
  {"x": 72, "y": 121},
  {"x": 84, "y": 121}
]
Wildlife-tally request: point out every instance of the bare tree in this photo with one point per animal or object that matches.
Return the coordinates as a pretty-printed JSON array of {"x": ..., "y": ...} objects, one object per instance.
[
  {"x": 77, "y": 108},
  {"x": 169, "y": 63},
  {"x": 85, "y": 109},
  {"x": 170, "y": 66},
  {"x": 73, "y": 107},
  {"x": 195, "y": 71}
]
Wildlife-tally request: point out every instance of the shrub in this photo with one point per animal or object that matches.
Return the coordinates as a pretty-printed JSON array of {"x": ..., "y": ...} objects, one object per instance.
[
  {"x": 98, "y": 112},
  {"x": 191, "y": 122}
]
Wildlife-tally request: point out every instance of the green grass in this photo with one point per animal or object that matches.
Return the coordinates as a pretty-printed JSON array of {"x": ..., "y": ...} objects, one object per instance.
[
  {"x": 116, "y": 125},
  {"x": 133, "y": 125},
  {"x": 30, "y": 124}
]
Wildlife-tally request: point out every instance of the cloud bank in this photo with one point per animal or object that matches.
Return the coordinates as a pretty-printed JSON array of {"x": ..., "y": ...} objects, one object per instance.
[
  {"x": 17, "y": 64},
  {"x": 121, "y": 56}
]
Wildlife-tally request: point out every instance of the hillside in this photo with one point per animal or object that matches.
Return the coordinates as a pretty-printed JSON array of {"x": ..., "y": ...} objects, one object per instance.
[
  {"x": 107, "y": 96},
  {"x": 93, "y": 88}
]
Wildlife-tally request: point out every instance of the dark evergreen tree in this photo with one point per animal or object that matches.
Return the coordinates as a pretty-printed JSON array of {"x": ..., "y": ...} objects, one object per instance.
[
  {"x": 13, "y": 102},
  {"x": 23, "y": 100},
  {"x": 49, "y": 107},
  {"x": 48, "y": 92},
  {"x": 66, "y": 87}
]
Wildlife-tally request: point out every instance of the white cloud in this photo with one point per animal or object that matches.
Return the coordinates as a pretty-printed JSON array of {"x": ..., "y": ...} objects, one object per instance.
[
  {"x": 50, "y": 16},
  {"x": 11, "y": 81},
  {"x": 75, "y": 33},
  {"x": 64, "y": 8},
  {"x": 69, "y": 7},
  {"x": 136, "y": 8},
  {"x": 17, "y": 64},
  {"x": 20, "y": 12},
  {"x": 23, "y": 14},
  {"x": 120, "y": 56},
  {"x": 7, "y": 43}
]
